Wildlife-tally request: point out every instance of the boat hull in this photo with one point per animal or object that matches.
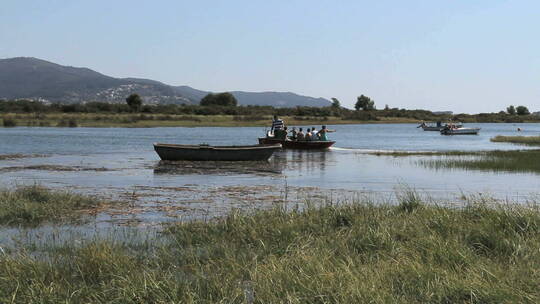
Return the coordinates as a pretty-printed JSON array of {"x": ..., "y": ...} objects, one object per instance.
[
  {"x": 437, "y": 128},
  {"x": 299, "y": 145},
  {"x": 215, "y": 153},
  {"x": 463, "y": 131}
]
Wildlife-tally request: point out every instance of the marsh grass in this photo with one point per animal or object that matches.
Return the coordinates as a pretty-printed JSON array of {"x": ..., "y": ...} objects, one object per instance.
[
  {"x": 17, "y": 156},
  {"x": 507, "y": 161},
  {"x": 524, "y": 140},
  {"x": 33, "y": 205},
  {"x": 348, "y": 253},
  {"x": 423, "y": 153}
]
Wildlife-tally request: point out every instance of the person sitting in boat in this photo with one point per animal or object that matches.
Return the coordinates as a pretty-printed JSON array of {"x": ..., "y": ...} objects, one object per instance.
[
  {"x": 284, "y": 133},
  {"x": 300, "y": 136},
  {"x": 308, "y": 134},
  {"x": 322, "y": 133},
  {"x": 294, "y": 133},
  {"x": 314, "y": 135}
]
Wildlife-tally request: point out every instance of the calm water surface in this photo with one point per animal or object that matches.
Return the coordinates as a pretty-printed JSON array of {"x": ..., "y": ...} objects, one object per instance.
[
  {"x": 123, "y": 160},
  {"x": 120, "y": 164}
]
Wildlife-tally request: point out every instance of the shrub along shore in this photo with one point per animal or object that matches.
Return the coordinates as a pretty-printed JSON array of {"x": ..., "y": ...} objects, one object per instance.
[{"x": 349, "y": 253}]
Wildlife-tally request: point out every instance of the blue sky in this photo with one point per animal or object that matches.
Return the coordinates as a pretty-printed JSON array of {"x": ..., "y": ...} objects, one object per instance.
[{"x": 464, "y": 56}]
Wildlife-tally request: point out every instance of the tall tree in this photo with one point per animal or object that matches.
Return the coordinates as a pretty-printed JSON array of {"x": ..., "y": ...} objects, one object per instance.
[
  {"x": 511, "y": 110},
  {"x": 220, "y": 99},
  {"x": 365, "y": 103},
  {"x": 134, "y": 101},
  {"x": 335, "y": 103},
  {"x": 522, "y": 110}
]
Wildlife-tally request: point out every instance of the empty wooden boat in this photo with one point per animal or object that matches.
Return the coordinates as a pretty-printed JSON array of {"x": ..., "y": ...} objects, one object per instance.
[{"x": 215, "y": 153}]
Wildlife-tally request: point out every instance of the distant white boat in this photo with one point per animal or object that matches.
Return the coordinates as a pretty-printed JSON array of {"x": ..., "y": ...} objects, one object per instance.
[
  {"x": 436, "y": 127},
  {"x": 460, "y": 131}
]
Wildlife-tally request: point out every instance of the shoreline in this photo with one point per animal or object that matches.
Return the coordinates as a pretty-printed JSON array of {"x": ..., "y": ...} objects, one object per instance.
[
  {"x": 167, "y": 120},
  {"x": 140, "y": 120}
]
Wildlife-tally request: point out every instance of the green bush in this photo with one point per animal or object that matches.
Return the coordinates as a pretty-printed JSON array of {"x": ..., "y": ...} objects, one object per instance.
[{"x": 9, "y": 122}]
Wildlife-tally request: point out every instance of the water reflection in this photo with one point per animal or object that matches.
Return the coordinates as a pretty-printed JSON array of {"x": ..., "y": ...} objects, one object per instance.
[
  {"x": 308, "y": 161},
  {"x": 217, "y": 167}
]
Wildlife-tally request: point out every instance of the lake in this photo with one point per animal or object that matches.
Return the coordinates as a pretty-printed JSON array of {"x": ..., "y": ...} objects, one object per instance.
[{"x": 120, "y": 164}]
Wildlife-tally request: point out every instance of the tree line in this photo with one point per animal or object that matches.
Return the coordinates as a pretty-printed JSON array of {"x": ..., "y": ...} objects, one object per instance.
[
  {"x": 226, "y": 104},
  {"x": 519, "y": 110}
]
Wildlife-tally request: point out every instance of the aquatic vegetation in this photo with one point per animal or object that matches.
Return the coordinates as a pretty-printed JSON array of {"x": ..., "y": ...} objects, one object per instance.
[
  {"x": 17, "y": 156},
  {"x": 346, "y": 253},
  {"x": 525, "y": 140},
  {"x": 33, "y": 205},
  {"x": 422, "y": 153},
  {"x": 508, "y": 161},
  {"x": 47, "y": 167}
]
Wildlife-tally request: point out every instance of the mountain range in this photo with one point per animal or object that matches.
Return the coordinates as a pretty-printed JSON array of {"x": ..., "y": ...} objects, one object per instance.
[{"x": 32, "y": 78}]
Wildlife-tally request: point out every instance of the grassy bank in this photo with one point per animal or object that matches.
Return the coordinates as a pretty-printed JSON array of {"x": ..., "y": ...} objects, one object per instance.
[
  {"x": 33, "y": 205},
  {"x": 525, "y": 140},
  {"x": 507, "y": 161},
  {"x": 359, "y": 253},
  {"x": 173, "y": 120}
]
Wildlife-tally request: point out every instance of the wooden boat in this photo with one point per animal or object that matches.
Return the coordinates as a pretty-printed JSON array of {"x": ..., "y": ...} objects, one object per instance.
[
  {"x": 215, "y": 153},
  {"x": 299, "y": 145},
  {"x": 460, "y": 131}
]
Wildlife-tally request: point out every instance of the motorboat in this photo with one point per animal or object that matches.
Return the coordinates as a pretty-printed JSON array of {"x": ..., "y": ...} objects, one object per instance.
[
  {"x": 438, "y": 126},
  {"x": 460, "y": 131}
]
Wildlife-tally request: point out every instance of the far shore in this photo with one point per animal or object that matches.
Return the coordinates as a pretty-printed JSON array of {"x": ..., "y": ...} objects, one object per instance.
[
  {"x": 142, "y": 120},
  {"x": 166, "y": 120}
]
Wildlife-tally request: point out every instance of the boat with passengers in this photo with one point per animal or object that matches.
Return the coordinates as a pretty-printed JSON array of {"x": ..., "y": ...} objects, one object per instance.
[
  {"x": 312, "y": 140},
  {"x": 288, "y": 143}
]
